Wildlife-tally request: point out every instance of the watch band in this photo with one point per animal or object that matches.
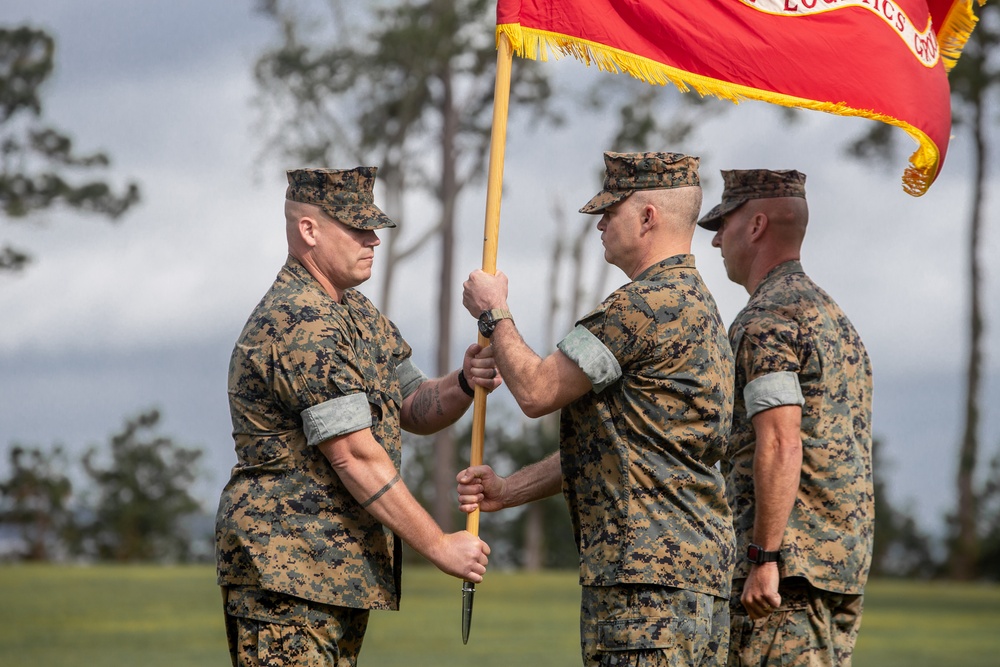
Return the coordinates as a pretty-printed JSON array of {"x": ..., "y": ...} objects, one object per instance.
[
  {"x": 488, "y": 320},
  {"x": 498, "y": 314},
  {"x": 757, "y": 555}
]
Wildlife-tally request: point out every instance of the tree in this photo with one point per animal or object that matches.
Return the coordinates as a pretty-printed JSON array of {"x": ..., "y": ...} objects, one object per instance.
[
  {"x": 533, "y": 536},
  {"x": 407, "y": 86},
  {"x": 142, "y": 497},
  {"x": 540, "y": 534},
  {"x": 654, "y": 118},
  {"x": 989, "y": 513},
  {"x": 34, "y": 157},
  {"x": 974, "y": 84},
  {"x": 36, "y": 500},
  {"x": 901, "y": 548}
]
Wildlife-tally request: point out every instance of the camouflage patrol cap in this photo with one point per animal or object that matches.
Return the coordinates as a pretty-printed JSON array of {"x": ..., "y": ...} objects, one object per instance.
[
  {"x": 627, "y": 172},
  {"x": 344, "y": 194},
  {"x": 742, "y": 185}
]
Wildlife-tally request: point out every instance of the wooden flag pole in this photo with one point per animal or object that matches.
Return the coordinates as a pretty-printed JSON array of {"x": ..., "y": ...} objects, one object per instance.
[{"x": 491, "y": 233}]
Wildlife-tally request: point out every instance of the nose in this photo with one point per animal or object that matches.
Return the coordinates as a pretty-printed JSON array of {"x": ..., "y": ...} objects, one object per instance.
[
  {"x": 373, "y": 240},
  {"x": 717, "y": 239},
  {"x": 602, "y": 224}
]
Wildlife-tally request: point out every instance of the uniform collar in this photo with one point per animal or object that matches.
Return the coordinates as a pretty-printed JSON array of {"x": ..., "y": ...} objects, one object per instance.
[
  {"x": 685, "y": 261},
  {"x": 301, "y": 273},
  {"x": 781, "y": 270}
]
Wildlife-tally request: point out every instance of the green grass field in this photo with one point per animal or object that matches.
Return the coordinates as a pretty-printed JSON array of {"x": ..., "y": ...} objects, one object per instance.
[{"x": 113, "y": 616}]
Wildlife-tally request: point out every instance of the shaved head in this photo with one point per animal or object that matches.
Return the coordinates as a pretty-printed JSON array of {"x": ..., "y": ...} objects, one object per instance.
[
  {"x": 787, "y": 218},
  {"x": 294, "y": 212},
  {"x": 678, "y": 206}
]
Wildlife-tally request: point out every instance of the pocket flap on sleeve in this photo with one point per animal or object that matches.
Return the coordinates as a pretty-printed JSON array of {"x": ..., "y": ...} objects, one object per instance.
[{"x": 635, "y": 634}]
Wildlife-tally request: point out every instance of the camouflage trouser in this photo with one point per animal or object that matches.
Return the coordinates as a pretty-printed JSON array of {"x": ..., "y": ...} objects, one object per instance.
[
  {"x": 275, "y": 630},
  {"x": 811, "y": 628},
  {"x": 652, "y": 626}
]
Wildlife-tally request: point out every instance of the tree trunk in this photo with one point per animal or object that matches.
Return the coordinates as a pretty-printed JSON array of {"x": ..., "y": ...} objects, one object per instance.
[
  {"x": 966, "y": 546},
  {"x": 534, "y": 536},
  {"x": 533, "y": 553},
  {"x": 394, "y": 188},
  {"x": 444, "y": 441}
]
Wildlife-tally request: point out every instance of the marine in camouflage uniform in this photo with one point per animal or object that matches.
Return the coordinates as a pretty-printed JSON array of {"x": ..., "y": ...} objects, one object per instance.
[
  {"x": 804, "y": 389},
  {"x": 645, "y": 386},
  {"x": 304, "y": 545}
]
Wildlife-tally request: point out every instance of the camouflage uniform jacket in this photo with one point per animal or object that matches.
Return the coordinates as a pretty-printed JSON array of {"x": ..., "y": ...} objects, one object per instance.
[
  {"x": 286, "y": 523},
  {"x": 792, "y": 329},
  {"x": 638, "y": 454}
]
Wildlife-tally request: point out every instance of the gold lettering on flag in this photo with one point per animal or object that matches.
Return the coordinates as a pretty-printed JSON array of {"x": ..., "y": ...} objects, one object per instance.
[{"x": 923, "y": 44}]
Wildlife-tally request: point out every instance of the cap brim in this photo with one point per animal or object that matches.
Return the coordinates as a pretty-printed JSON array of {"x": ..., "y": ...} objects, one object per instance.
[
  {"x": 378, "y": 220},
  {"x": 361, "y": 216},
  {"x": 713, "y": 219},
  {"x": 604, "y": 199}
]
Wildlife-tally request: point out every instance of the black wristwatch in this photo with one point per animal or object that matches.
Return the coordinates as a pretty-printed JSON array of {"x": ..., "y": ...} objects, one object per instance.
[
  {"x": 489, "y": 318},
  {"x": 757, "y": 555}
]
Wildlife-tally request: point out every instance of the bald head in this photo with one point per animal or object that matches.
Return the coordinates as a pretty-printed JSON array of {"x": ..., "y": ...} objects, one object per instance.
[
  {"x": 760, "y": 234},
  {"x": 296, "y": 212},
  {"x": 677, "y": 207},
  {"x": 649, "y": 226},
  {"x": 787, "y": 218}
]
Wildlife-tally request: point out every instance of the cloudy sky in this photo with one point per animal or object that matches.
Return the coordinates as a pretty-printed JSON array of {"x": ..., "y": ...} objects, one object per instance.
[{"x": 114, "y": 319}]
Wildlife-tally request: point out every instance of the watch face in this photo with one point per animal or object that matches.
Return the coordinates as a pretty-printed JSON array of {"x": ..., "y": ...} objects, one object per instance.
[{"x": 486, "y": 324}]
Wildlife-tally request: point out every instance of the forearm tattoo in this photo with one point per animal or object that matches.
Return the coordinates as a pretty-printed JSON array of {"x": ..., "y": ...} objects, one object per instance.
[
  {"x": 426, "y": 401},
  {"x": 378, "y": 494}
]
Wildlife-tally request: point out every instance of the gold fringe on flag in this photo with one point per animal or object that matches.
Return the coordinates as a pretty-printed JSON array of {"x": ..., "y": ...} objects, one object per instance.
[
  {"x": 536, "y": 45},
  {"x": 956, "y": 30}
]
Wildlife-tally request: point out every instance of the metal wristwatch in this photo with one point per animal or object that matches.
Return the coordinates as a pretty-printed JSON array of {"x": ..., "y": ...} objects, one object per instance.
[
  {"x": 489, "y": 318},
  {"x": 757, "y": 555}
]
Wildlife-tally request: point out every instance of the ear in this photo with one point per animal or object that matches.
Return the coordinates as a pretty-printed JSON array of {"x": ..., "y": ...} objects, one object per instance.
[
  {"x": 757, "y": 226},
  {"x": 647, "y": 218},
  {"x": 308, "y": 230}
]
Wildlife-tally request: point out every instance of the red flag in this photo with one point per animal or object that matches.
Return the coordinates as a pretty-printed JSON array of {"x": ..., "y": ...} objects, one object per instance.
[{"x": 880, "y": 59}]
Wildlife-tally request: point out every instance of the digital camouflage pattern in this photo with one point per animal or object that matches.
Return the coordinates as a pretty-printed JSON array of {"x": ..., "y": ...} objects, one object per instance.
[
  {"x": 652, "y": 626},
  {"x": 638, "y": 459},
  {"x": 347, "y": 195},
  {"x": 266, "y": 629},
  {"x": 624, "y": 173},
  {"x": 286, "y": 523},
  {"x": 791, "y": 325},
  {"x": 810, "y": 627},
  {"x": 742, "y": 185}
]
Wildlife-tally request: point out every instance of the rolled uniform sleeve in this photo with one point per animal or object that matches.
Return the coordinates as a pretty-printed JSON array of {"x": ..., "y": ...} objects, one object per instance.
[
  {"x": 410, "y": 377},
  {"x": 346, "y": 414},
  {"x": 329, "y": 378},
  {"x": 592, "y": 356},
  {"x": 771, "y": 391},
  {"x": 337, "y": 416},
  {"x": 768, "y": 352}
]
